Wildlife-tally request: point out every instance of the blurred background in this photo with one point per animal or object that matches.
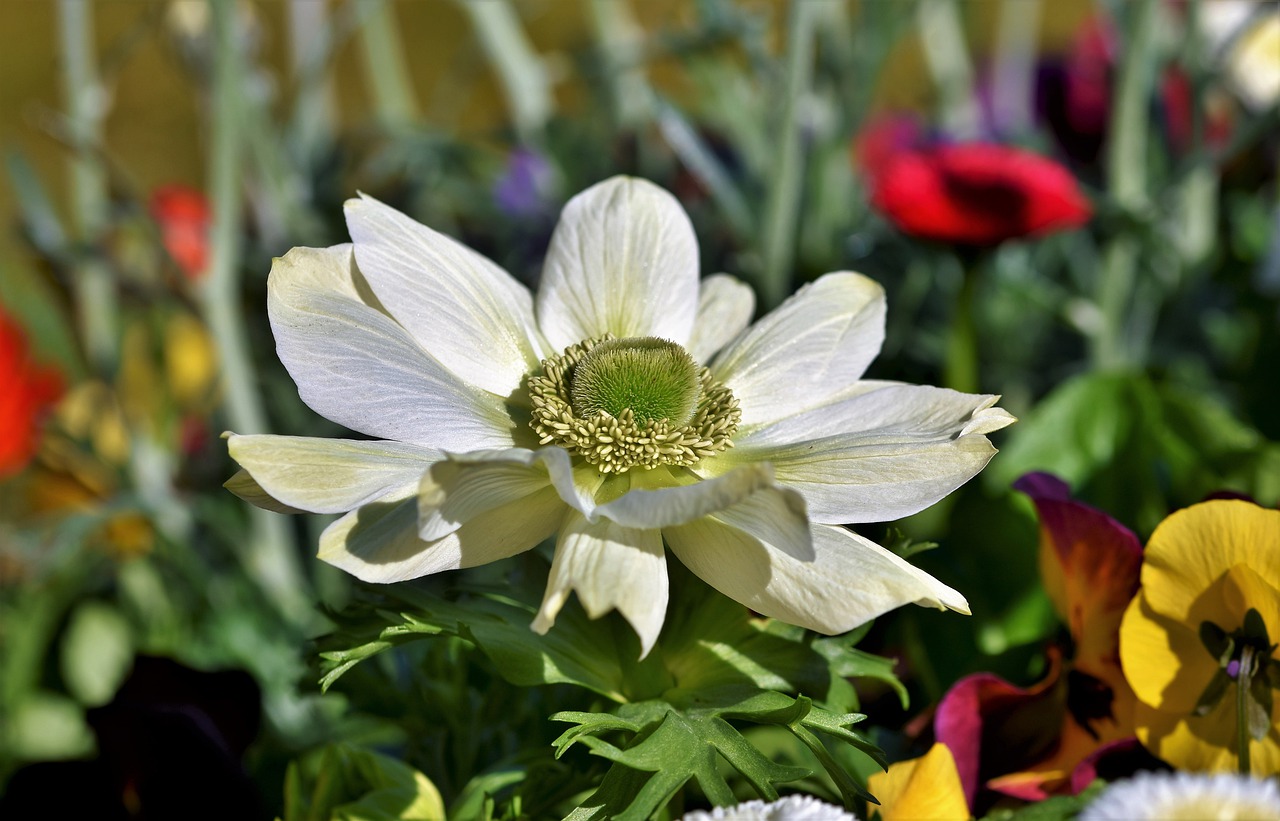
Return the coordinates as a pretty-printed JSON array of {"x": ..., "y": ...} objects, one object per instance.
[{"x": 158, "y": 155}]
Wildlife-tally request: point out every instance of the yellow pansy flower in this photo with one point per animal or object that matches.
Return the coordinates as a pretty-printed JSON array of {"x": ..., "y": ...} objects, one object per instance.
[{"x": 1197, "y": 642}]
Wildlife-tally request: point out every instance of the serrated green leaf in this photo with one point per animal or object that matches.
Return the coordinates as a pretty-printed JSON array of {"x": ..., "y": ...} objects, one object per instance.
[
  {"x": 588, "y": 724},
  {"x": 499, "y": 626}
]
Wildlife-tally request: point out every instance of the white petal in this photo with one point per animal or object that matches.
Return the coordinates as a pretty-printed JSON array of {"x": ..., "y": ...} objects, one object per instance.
[
  {"x": 725, "y": 306},
  {"x": 464, "y": 310},
  {"x": 468, "y": 483},
  {"x": 667, "y": 506},
  {"x": 623, "y": 260},
  {"x": 328, "y": 475},
  {"x": 809, "y": 350},
  {"x": 879, "y": 455},
  {"x": 244, "y": 486},
  {"x": 354, "y": 365},
  {"x": 610, "y": 567},
  {"x": 847, "y": 582},
  {"x": 379, "y": 542}
]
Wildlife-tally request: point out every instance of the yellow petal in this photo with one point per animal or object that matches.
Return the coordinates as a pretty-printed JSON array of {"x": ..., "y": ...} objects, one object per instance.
[
  {"x": 1197, "y": 545},
  {"x": 1164, "y": 660},
  {"x": 1206, "y": 743},
  {"x": 190, "y": 361},
  {"x": 921, "y": 789}
]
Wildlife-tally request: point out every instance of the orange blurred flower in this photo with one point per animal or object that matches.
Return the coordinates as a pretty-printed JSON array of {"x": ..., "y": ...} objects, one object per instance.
[{"x": 183, "y": 216}]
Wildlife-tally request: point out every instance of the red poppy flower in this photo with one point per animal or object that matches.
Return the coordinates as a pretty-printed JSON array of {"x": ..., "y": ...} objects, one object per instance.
[
  {"x": 28, "y": 390},
  {"x": 183, "y": 216},
  {"x": 977, "y": 194}
]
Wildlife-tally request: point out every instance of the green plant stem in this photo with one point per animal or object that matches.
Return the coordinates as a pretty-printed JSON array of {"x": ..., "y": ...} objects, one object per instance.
[
  {"x": 313, "y": 117},
  {"x": 1243, "y": 680},
  {"x": 619, "y": 41},
  {"x": 96, "y": 302},
  {"x": 269, "y": 556},
  {"x": 1126, "y": 156},
  {"x": 386, "y": 70},
  {"x": 521, "y": 74},
  {"x": 783, "y": 209},
  {"x": 960, "y": 369},
  {"x": 947, "y": 57}
]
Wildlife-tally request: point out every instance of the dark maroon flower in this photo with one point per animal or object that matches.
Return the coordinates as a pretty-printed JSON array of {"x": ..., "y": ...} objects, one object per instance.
[
  {"x": 1031, "y": 743},
  {"x": 977, "y": 194},
  {"x": 170, "y": 745}
]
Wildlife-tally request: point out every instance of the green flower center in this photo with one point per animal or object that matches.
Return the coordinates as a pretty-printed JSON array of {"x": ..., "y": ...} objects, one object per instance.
[
  {"x": 636, "y": 402},
  {"x": 654, "y": 378}
]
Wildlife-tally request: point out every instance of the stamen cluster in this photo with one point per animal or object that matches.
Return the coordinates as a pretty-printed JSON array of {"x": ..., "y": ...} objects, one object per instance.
[{"x": 615, "y": 444}]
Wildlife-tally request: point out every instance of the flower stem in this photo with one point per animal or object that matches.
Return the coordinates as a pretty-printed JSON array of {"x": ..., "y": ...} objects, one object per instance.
[
  {"x": 783, "y": 209},
  {"x": 269, "y": 556},
  {"x": 314, "y": 118},
  {"x": 620, "y": 42},
  {"x": 96, "y": 301},
  {"x": 387, "y": 70},
  {"x": 1243, "y": 680},
  {"x": 947, "y": 57},
  {"x": 960, "y": 368},
  {"x": 1126, "y": 181},
  {"x": 522, "y": 75}
]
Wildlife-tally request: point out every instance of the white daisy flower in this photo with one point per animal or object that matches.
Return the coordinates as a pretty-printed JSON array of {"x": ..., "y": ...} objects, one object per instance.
[
  {"x": 791, "y": 808},
  {"x": 624, "y": 405},
  {"x": 1183, "y": 796}
]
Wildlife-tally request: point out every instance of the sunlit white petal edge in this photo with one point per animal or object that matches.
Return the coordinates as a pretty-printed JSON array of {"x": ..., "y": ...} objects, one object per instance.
[{"x": 410, "y": 338}]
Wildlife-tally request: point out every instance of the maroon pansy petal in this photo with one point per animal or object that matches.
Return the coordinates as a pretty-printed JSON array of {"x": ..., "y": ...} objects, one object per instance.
[
  {"x": 1089, "y": 563},
  {"x": 994, "y": 727}
]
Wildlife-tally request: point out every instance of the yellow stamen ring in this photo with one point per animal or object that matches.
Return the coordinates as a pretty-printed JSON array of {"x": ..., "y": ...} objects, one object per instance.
[{"x": 615, "y": 444}]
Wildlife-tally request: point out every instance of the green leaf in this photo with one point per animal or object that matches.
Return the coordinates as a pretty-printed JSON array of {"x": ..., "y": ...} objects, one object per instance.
[
  {"x": 678, "y": 749},
  {"x": 47, "y": 726},
  {"x": 342, "y": 782},
  {"x": 900, "y": 543},
  {"x": 1217, "y": 642},
  {"x": 712, "y": 642},
  {"x": 1073, "y": 431},
  {"x": 680, "y": 738},
  {"x": 96, "y": 653},
  {"x": 497, "y": 623}
]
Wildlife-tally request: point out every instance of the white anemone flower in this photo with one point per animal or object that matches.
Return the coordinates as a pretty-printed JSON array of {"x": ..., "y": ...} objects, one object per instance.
[
  {"x": 1183, "y": 796},
  {"x": 625, "y": 404},
  {"x": 791, "y": 808}
]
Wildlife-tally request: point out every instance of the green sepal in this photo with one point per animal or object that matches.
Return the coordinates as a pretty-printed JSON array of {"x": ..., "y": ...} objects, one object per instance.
[
  {"x": 1213, "y": 693},
  {"x": 1217, "y": 641},
  {"x": 1255, "y": 629}
]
